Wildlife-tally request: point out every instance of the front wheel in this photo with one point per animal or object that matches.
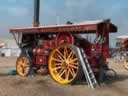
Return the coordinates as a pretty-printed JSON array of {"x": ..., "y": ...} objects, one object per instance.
[
  {"x": 23, "y": 66},
  {"x": 64, "y": 64}
]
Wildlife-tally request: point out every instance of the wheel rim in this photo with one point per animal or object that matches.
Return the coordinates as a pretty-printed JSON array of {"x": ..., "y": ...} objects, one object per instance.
[
  {"x": 22, "y": 66},
  {"x": 126, "y": 63},
  {"x": 63, "y": 64}
]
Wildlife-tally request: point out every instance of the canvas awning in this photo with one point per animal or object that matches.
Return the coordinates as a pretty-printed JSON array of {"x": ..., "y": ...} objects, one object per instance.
[{"x": 83, "y": 27}]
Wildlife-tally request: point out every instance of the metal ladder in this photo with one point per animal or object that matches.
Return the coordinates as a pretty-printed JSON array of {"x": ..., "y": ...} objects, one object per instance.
[{"x": 89, "y": 75}]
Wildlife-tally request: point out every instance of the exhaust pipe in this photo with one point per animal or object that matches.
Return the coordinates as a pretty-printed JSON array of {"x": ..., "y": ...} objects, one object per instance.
[{"x": 36, "y": 21}]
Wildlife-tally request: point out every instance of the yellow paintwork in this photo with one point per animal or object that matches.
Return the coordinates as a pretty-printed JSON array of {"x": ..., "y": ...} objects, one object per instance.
[
  {"x": 125, "y": 62},
  {"x": 22, "y": 66},
  {"x": 63, "y": 64}
]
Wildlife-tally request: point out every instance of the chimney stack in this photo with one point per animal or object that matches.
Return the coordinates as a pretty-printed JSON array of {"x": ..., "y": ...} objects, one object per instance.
[{"x": 36, "y": 22}]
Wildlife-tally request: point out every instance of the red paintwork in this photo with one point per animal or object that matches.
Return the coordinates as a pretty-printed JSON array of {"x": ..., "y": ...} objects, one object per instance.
[
  {"x": 67, "y": 34},
  {"x": 96, "y": 47},
  {"x": 40, "y": 55},
  {"x": 49, "y": 44},
  {"x": 64, "y": 38},
  {"x": 41, "y": 60},
  {"x": 86, "y": 45},
  {"x": 58, "y": 29},
  {"x": 102, "y": 48},
  {"x": 75, "y": 28}
]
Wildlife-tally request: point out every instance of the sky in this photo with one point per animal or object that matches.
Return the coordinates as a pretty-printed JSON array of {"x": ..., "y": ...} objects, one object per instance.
[{"x": 19, "y": 13}]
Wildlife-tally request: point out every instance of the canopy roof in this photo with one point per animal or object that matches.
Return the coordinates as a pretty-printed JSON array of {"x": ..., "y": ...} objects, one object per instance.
[
  {"x": 123, "y": 38},
  {"x": 83, "y": 27}
]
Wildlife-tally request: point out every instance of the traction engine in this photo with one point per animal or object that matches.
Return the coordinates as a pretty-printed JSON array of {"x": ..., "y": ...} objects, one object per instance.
[{"x": 52, "y": 49}]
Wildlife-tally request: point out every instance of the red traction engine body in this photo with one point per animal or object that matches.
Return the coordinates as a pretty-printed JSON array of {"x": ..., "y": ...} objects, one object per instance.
[
  {"x": 41, "y": 53},
  {"x": 45, "y": 43}
]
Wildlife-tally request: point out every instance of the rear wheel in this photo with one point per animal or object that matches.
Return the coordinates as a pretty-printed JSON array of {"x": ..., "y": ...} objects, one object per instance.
[
  {"x": 125, "y": 62},
  {"x": 64, "y": 65},
  {"x": 23, "y": 66}
]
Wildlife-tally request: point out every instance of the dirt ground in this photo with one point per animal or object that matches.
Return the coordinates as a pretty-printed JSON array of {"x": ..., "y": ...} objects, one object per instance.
[{"x": 46, "y": 86}]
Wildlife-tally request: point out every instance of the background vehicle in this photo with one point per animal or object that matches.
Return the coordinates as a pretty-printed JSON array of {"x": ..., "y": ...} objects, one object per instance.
[{"x": 122, "y": 44}]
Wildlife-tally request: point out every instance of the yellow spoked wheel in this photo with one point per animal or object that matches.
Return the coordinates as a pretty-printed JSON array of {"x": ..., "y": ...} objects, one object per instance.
[
  {"x": 64, "y": 64},
  {"x": 23, "y": 66},
  {"x": 126, "y": 63}
]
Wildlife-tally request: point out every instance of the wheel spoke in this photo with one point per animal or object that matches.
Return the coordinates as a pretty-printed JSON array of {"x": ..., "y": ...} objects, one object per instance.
[
  {"x": 65, "y": 52},
  {"x": 60, "y": 57},
  {"x": 23, "y": 61},
  {"x": 76, "y": 64},
  {"x": 26, "y": 70},
  {"x": 58, "y": 64},
  {"x": 26, "y": 62},
  {"x": 20, "y": 61},
  {"x": 60, "y": 53},
  {"x": 67, "y": 75},
  {"x": 73, "y": 66},
  {"x": 62, "y": 73},
  {"x": 71, "y": 71},
  {"x": 23, "y": 70},
  {"x": 73, "y": 60},
  {"x": 55, "y": 59},
  {"x": 56, "y": 68},
  {"x": 26, "y": 65},
  {"x": 70, "y": 54},
  {"x": 19, "y": 68}
]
